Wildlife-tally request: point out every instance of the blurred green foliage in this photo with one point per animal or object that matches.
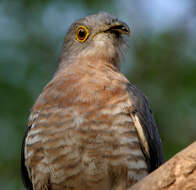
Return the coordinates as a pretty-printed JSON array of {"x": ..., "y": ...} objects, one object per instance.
[{"x": 161, "y": 61}]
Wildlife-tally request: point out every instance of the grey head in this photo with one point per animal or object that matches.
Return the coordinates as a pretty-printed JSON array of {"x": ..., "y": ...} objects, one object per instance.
[{"x": 99, "y": 34}]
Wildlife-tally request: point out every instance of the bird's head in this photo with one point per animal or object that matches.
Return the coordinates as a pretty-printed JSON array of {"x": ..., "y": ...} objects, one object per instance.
[{"x": 95, "y": 36}]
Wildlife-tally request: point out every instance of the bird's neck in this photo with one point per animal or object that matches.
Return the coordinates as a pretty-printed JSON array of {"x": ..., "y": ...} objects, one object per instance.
[
  {"x": 87, "y": 80},
  {"x": 91, "y": 62}
]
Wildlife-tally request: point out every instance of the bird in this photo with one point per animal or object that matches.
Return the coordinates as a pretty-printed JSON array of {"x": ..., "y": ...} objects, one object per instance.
[{"x": 90, "y": 128}]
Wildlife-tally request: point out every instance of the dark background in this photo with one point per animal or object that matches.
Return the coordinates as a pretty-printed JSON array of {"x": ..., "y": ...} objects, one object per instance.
[{"x": 161, "y": 60}]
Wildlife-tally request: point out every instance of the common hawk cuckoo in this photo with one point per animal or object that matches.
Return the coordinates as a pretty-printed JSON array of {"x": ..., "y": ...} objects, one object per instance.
[{"x": 90, "y": 128}]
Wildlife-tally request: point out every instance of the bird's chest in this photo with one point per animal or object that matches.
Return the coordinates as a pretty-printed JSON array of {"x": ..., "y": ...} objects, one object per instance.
[
  {"x": 90, "y": 138},
  {"x": 98, "y": 147},
  {"x": 99, "y": 144}
]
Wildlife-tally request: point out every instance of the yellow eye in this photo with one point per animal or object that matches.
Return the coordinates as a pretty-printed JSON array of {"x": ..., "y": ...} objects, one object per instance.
[{"x": 82, "y": 34}]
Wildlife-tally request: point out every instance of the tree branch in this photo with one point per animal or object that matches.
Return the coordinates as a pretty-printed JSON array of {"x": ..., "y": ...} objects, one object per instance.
[{"x": 179, "y": 173}]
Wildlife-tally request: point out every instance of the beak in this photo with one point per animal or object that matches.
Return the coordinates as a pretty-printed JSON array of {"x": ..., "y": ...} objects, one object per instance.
[{"x": 119, "y": 27}]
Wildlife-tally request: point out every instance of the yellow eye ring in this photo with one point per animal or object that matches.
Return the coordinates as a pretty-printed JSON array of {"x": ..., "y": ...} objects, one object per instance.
[{"x": 82, "y": 33}]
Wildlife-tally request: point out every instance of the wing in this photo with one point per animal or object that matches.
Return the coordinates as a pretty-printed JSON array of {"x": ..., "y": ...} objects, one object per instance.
[
  {"x": 24, "y": 173},
  {"x": 146, "y": 127}
]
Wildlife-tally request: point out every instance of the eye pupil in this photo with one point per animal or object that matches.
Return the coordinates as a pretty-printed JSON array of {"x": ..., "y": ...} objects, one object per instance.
[{"x": 82, "y": 33}]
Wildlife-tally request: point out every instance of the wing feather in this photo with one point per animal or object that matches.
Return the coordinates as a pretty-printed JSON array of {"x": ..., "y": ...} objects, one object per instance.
[{"x": 145, "y": 124}]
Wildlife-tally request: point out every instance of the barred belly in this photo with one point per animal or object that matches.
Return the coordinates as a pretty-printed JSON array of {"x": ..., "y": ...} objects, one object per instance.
[{"x": 89, "y": 148}]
